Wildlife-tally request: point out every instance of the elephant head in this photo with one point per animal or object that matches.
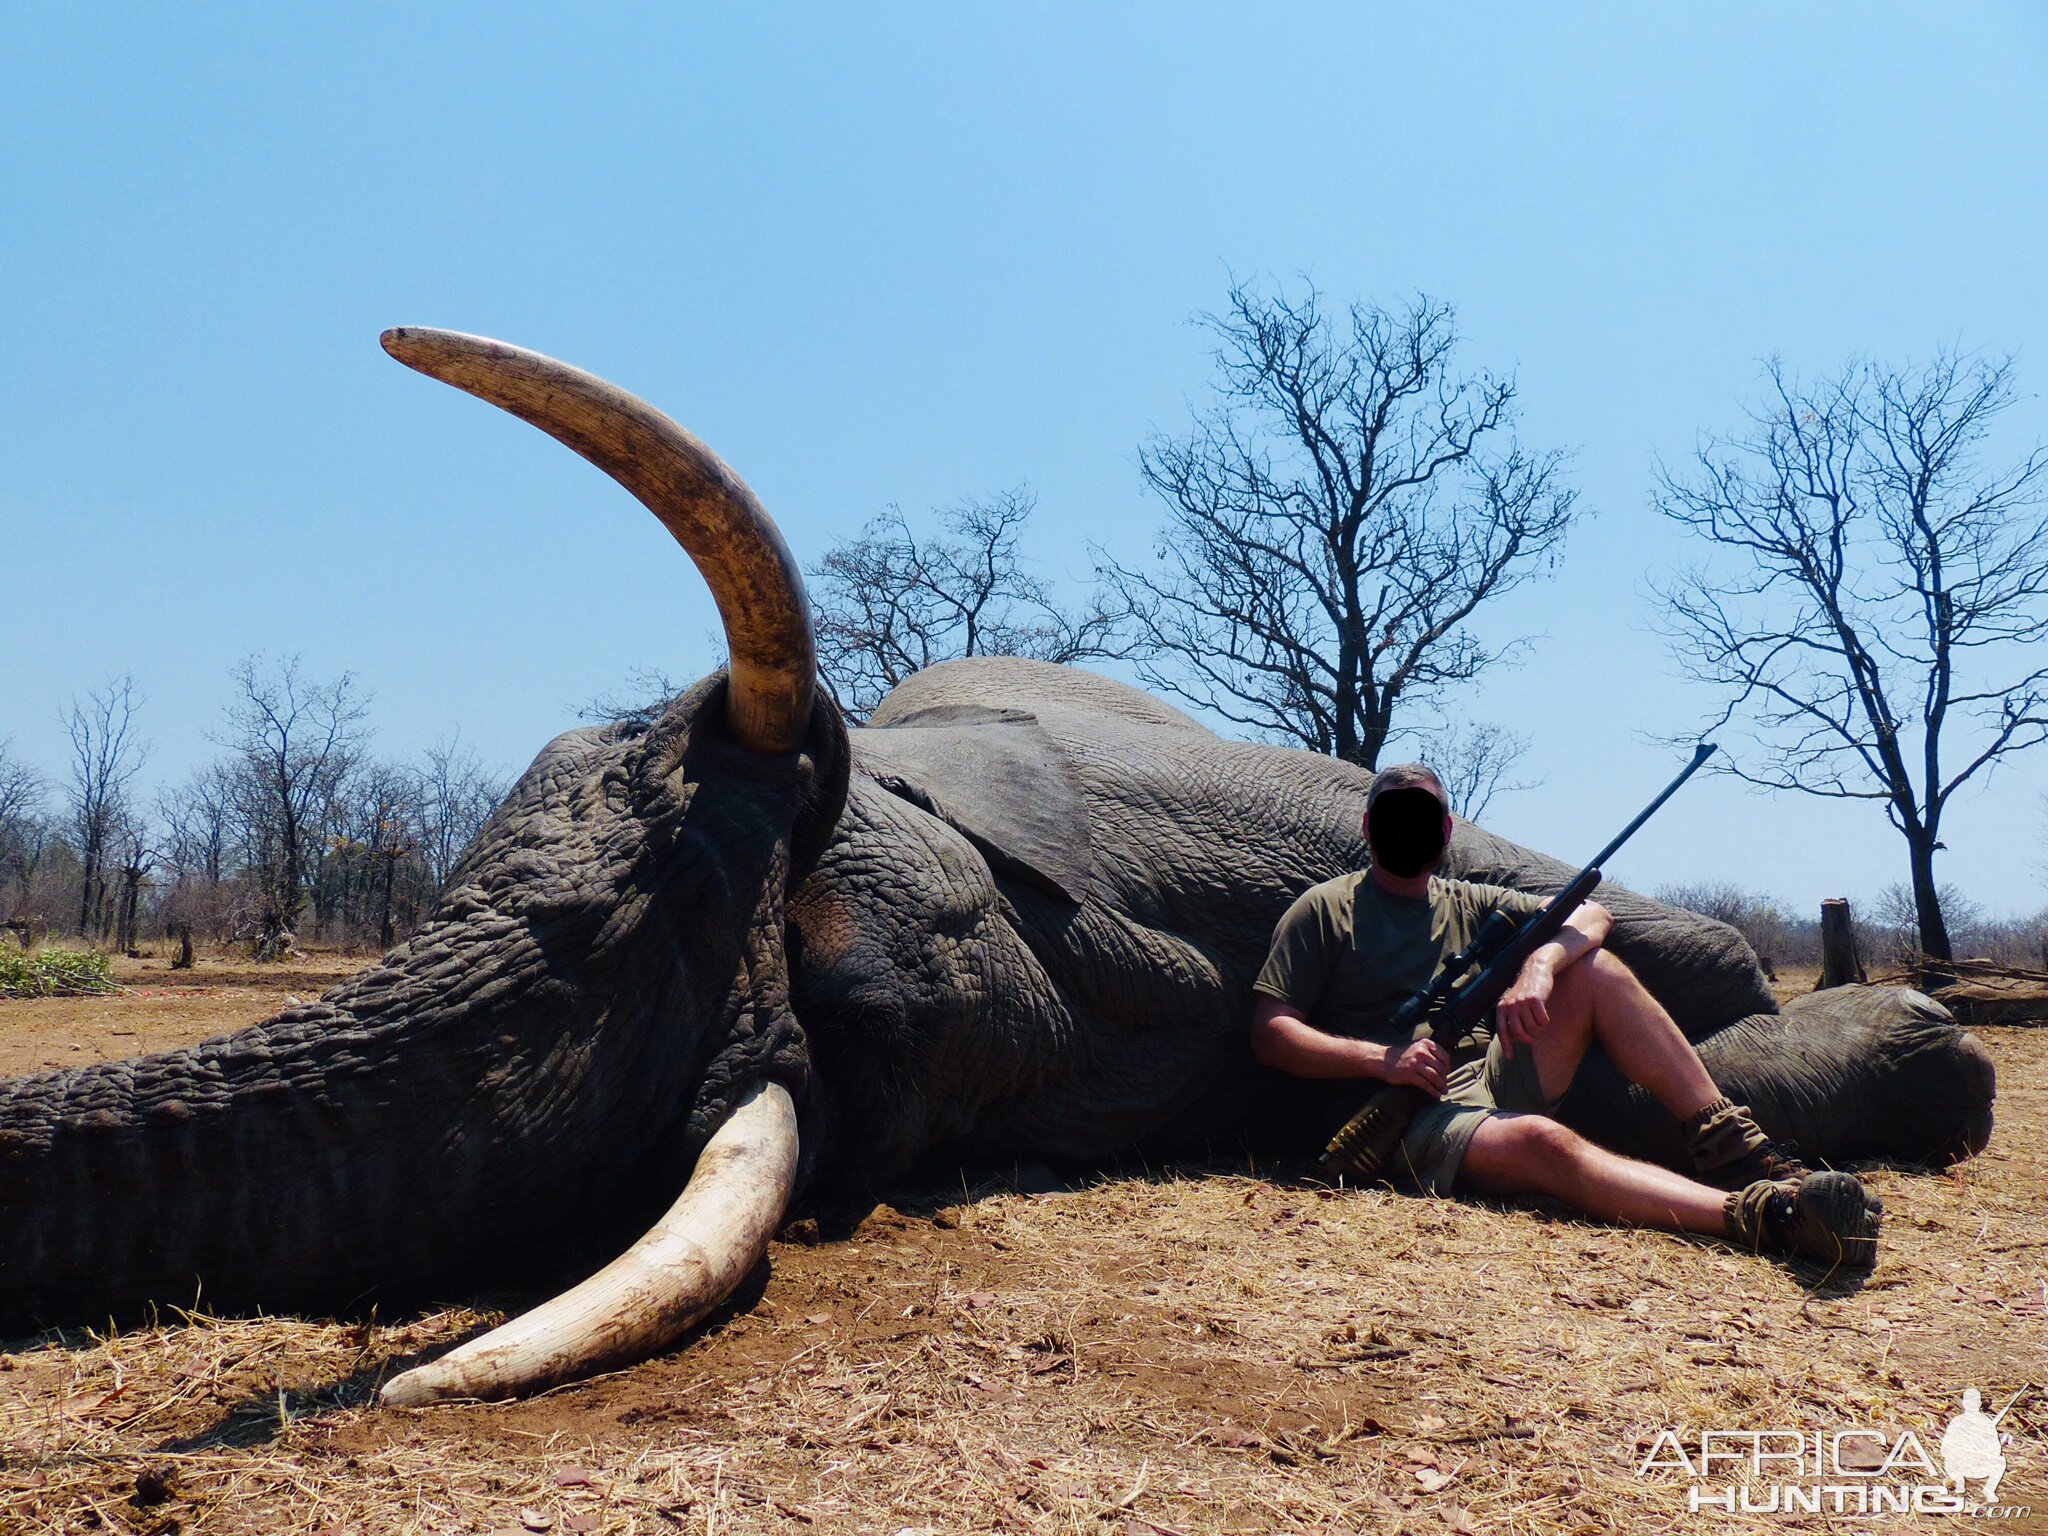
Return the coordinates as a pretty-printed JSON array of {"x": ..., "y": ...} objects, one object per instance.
[{"x": 596, "y": 1017}]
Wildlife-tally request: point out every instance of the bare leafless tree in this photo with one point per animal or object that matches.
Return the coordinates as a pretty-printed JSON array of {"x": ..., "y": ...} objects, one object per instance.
[
  {"x": 890, "y": 602},
  {"x": 455, "y": 795},
  {"x": 22, "y": 829},
  {"x": 197, "y": 818},
  {"x": 106, "y": 754},
  {"x": 373, "y": 840},
  {"x": 294, "y": 738},
  {"x": 1871, "y": 605},
  {"x": 1476, "y": 762},
  {"x": 647, "y": 693},
  {"x": 21, "y": 788},
  {"x": 1890, "y": 924},
  {"x": 134, "y": 855},
  {"x": 371, "y": 865},
  {"x": 2041, "y": 866},
  {"x": 1334, "y": 519},
  {"x": 378, "y": 843},
  {"x": 200, "y": 851}
]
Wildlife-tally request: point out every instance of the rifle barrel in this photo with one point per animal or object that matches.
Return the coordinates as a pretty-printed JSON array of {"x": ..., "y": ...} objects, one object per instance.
[{"x": 1700, "y": 754}]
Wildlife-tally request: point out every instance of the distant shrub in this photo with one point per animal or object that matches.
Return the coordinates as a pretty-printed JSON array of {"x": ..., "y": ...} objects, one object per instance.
[
  {"x": 2020, "y": 942},
  {"x": 55, "y": 973},
  {"x": 1777, "y": 938}
]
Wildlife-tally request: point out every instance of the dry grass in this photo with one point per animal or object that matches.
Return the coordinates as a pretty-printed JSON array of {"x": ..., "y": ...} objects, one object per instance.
[{"x": 1201, "y": 1350}]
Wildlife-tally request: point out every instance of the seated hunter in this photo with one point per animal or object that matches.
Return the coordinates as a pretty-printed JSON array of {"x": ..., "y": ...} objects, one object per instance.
[{"x": 1350, "y": 950}]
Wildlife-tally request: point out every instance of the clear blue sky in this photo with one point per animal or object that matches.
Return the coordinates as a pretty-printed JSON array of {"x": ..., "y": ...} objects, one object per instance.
[{"x": 882, "y": 254}]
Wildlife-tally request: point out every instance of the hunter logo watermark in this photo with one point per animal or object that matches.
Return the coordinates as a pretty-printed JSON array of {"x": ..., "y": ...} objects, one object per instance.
[
  {"x": 1972, "y": 1446},
  {"x": 1860, "y": 1470}
]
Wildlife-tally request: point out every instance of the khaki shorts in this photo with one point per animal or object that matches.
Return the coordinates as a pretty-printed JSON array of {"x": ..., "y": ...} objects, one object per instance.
[{"x": 1433, "y": 1148}]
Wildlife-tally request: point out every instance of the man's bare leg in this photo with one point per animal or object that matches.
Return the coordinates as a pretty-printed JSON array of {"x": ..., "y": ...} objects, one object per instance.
[
  {"x": 1534, "y": 1155},
  {"x": 1829, "y": 1216},
  {"x": 1600, "y": 998}
]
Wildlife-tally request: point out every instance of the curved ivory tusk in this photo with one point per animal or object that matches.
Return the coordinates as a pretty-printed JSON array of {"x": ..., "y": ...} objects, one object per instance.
[
  {"x": 689, "y": 1261},
  {"x": 752, "y": 575}
]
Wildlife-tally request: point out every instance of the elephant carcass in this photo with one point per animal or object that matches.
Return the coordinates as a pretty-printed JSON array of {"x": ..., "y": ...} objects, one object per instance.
[{"x": 741, "y": 951}]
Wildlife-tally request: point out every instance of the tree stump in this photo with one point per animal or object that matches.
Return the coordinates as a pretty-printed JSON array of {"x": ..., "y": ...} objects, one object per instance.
[{"x": 1840, "y": 964}]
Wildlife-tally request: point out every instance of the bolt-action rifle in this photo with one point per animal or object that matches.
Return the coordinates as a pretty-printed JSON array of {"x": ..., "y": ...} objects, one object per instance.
[{"x": 1463, "y": 995}]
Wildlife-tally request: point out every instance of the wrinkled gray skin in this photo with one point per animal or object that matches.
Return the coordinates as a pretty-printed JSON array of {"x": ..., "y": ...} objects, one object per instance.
[{"x": 1019, "y": 914}]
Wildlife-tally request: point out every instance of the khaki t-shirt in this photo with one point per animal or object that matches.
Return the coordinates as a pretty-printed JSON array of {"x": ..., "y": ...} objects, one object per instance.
[{"x": 1349, "y": 952}]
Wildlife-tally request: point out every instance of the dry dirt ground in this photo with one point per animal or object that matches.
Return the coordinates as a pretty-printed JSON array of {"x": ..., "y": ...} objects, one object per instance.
[{"x": 1216, "y": 1348}]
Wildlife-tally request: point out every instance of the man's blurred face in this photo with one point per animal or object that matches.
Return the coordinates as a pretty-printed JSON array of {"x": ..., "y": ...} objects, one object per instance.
[{"x": 1406, "y": 830}]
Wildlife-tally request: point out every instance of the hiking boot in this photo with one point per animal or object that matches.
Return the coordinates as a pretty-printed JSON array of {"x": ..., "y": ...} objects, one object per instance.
[
  {"x": 1827, "y": 1217},
  {"x": 1730, "y": 1151}
]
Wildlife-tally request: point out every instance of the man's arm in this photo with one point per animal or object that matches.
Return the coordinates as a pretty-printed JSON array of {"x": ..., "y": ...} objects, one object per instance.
[
  {"x": 1523, "y": 1009},
  {"x": 1282, "y": 1038}
]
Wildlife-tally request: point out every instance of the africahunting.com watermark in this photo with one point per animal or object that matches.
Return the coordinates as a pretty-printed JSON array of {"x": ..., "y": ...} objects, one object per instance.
[{"x": 1860, "y": 1470}]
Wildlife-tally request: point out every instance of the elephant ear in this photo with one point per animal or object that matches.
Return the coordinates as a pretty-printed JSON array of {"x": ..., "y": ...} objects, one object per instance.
[{"x": 996, "y": 777}]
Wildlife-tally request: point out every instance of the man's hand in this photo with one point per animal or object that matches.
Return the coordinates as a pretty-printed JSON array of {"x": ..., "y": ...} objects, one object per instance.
[
  {"x": 1421, "y": 1062},
  {"x": 1523, "y": 1012}
]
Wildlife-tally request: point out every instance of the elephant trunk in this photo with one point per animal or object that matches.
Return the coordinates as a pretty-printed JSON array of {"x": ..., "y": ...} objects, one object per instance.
[
  {"x": 297, "y": 1164},
  {"x": 397, "y": 1134}
]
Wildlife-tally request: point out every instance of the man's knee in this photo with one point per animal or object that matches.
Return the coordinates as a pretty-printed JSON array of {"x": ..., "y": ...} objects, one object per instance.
[
  {"x": 1524, "y": 1151},
  {"x": 1606, "y": 970},
  {"x": 1540, "y": 1136},
  {"x": 1601, "y": 982}
]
